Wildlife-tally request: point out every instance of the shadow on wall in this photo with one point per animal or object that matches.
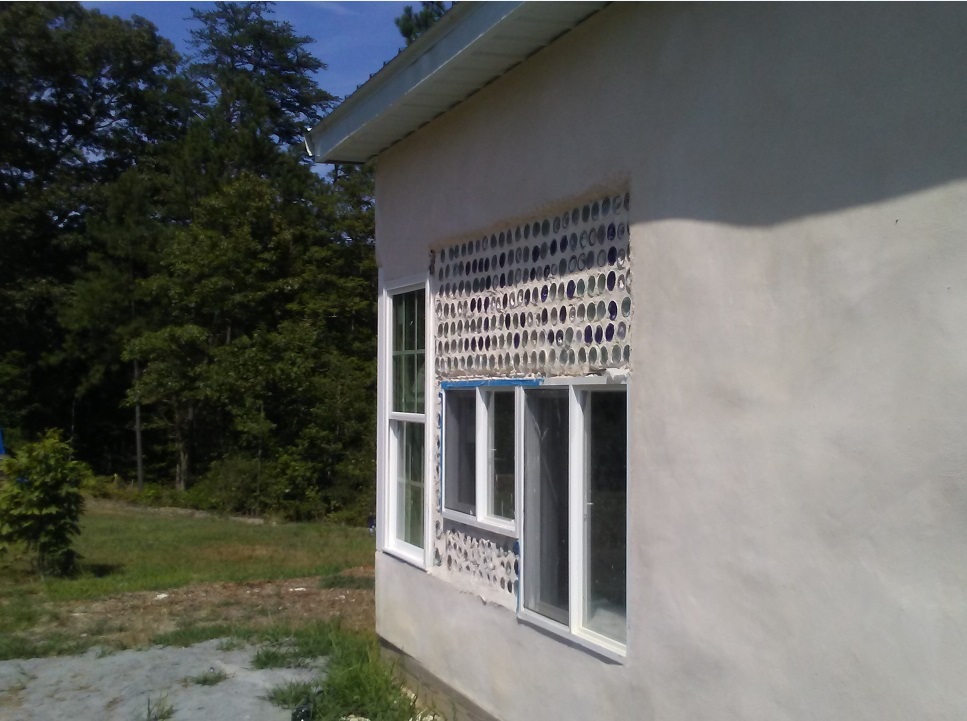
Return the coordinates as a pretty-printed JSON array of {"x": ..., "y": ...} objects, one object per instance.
[{"x": 847, "y": 105}]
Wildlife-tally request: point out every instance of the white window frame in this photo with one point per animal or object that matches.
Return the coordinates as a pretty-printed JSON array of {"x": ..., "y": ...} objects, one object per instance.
[
  {"x": 387, "y": 539},
  {"x": 578, "y": 387},
  {"x": 574, "y": 630},
  {"x": 484, "y": 517}
]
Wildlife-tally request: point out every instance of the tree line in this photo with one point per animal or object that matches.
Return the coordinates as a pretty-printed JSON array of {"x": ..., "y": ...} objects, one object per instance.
[{"x": 179, "y": 293}]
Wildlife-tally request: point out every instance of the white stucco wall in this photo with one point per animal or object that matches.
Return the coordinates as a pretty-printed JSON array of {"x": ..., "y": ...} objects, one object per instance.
[{"x": 798, "y": 482}]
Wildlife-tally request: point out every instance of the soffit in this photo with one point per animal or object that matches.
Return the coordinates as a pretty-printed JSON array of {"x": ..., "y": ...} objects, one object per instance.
[{"x": 470, "y": 46}]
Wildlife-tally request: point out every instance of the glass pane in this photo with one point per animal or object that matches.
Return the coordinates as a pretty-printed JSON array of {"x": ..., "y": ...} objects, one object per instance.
[
  {"x": 400, "y": 384},
  {"x": 606, "y": 434},
  {"x": 409, "y": 479},
  {"x": 399, "y": 321},
  {"x": 501, "y": 452},
  {"x": 460, "y": 453},
  {"x": 416, "y": 392},
  {"x": 408, "y": 356},
  {"x": 545, "y": 504},
  {"x": 419, "y": 317}
]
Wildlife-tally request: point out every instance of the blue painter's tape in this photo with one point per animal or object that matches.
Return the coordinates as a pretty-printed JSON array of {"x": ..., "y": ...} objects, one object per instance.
[{"x": 494, "y": 382}]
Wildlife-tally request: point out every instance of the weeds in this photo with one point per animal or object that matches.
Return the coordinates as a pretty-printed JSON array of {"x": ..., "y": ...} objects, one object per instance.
[
  {"x": 349, "y": 583},
  {"x": 211, "y": 677},
  {"x": 357, "y": 683},
  {"x": 190, "y": 635},
  {"x": 285, "y": 647},
  {"x": 232, "y": 643},
  {"x": 161, "y": 711},
  {"x": 15, "y": 645},
  {"x": 292, "y": 694}
]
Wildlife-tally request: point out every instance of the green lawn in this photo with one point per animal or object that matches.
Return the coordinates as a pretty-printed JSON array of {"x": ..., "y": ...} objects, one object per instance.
[{"x": 127, "y": 548}]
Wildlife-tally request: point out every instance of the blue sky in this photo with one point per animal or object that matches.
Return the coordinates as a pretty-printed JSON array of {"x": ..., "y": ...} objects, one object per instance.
[{"x": 354, "y": 39}]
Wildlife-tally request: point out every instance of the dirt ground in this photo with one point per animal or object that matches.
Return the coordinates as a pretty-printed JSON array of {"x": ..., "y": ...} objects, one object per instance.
[
  {"x": 132, "y": 619},
  {"x": 99, "y": 686}
]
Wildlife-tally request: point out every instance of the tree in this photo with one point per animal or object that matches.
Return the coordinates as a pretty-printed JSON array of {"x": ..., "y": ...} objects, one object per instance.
[
  {"x": 413, "y": 24},
  {"x": 41, "y": 502},
  {"x": 257, "y": 75},
  {"x": 85, "y": 95}
]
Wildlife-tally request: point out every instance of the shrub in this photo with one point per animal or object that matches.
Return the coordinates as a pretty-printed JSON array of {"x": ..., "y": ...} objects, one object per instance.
[{"x": 41, "y": 502}]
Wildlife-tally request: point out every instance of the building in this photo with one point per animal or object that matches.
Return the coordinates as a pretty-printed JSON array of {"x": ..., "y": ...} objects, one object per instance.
[{"x": 673, "y": 358}]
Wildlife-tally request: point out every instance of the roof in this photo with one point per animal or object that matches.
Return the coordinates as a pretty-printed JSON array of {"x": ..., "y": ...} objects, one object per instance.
[{"x": 470, "y": 46}]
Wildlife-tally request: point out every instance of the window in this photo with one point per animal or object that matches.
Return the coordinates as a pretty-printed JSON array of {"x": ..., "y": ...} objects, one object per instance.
[
  {"x": 406, "y": 442},
  {"x": 575, "y": 510},
  {"x": 546, "y": 504},
  {"x": 479, "y": 442},
  {"x": 461, "y": 451},
  {"x": 500, "y": 453},
  {"x": 568, "y": 444},
  {"x": 605, "y": 497}
]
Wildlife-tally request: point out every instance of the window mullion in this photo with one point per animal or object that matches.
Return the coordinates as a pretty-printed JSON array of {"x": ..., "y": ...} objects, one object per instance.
[
  {"x": 519, "y": 465},
  {"x": 481, "y": 482},
  {"x": 576, "y": 508}
]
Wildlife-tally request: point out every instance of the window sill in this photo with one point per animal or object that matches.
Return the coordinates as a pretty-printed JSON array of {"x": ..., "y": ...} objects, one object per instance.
[
  {"x": 603, "y": 648},
  {"x": 407, "y": 553},
  {"x": 493, "y": 525}
]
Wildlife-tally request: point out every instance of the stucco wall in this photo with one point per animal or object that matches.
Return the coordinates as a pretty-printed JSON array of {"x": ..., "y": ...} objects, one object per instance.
[{"x": 798, "y": 489}]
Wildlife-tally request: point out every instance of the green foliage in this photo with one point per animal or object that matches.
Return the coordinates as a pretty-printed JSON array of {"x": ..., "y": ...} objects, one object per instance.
[
  {"x": 413, "y": 24},
  {"x": 159, "y": 710},
  {"x": 191, "y": 634},
  {"x": 85, "y": 95},
  {"x": 348, "y": 582},
  {"x": 203, "y": 318},
  {"x": 138, "y": 549},
  {"x": 357, "y": 682},
  {"x": 41, "y": 503},
  {"x": 211, "y": 677}
]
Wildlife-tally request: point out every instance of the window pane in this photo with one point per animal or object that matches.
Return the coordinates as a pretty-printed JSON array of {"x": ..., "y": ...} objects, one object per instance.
[
  {"x": 418, "y": 315},
  {"x": 501, "y": 454},
  {"x": 460, "y": 452},
  {"x": 416, "y": 391},
  {"x": 546, "y": 504},
  {"x": 399, "y": 321},
  {"x": 409, "y": 479},
  {"x": 606, "y": 434},
  {"x": 401, "y": 386},
  {"x": 408, "y": 356}
]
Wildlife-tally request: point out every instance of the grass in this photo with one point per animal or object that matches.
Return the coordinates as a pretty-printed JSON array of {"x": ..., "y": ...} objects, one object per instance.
[
  {"x": 131, "y": 549},
  {"x": 289, "y": 647},
  {"x": 356, "y": 682},
  {"x": 161, "y": 710},
  {"x": 128, "y": 549},
  {"x": 191, "y": 634},
  {"x": 292, "y": 694},
  {"x": 211, "y": 677},
  {"x": 347, "y": 582}
]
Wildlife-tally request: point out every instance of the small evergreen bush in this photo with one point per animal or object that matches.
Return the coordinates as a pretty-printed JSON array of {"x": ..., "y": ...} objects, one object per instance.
[{"x": 41, "y": 503}]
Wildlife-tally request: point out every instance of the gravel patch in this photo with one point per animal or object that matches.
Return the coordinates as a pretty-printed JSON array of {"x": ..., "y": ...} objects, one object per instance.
[{"x": 118, "y": 686}]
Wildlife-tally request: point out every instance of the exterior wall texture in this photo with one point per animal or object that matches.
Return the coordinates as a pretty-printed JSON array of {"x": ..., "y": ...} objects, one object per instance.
[{"x": 798, "y": 473}]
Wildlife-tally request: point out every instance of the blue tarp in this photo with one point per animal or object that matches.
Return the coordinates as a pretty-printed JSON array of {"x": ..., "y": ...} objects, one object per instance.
[{"x": 1, "y": 443}]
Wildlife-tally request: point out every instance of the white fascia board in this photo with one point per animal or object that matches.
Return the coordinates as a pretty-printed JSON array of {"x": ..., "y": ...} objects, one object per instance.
[{"x": 472, "y": 44}]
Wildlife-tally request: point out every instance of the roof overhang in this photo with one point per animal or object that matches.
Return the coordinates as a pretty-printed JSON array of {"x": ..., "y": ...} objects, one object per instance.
[{"x": 470, "y": 46}]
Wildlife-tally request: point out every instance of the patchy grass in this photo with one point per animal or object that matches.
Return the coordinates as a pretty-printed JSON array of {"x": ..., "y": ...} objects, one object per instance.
[
  {"x": 211, "y": 677},
  {"x": 191, "y": 634},
  {"x": 357, "y": 682},
  {"x": 298, "y": 593},
  {"x": 292, "y": 694},
  {"x": 148, "y": 575},
  {"x": 162, "y": 551},
  {"x": 159, "y": 710},
  {"x": 289, "y": 647},
  {"x": 348, "y": 582}
]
